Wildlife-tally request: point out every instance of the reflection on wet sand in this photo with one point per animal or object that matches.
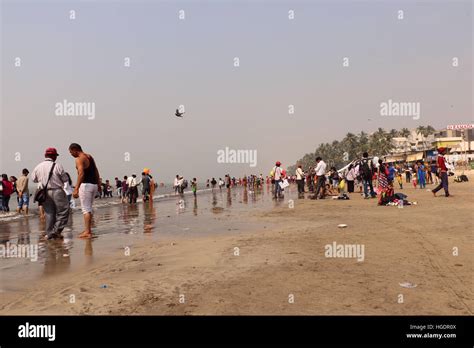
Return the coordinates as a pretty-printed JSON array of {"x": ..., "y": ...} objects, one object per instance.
[
  {"x": 121, "y": 224},
  {"x": 229, "y": 199},
  {"x": 55, "y": 260},
  {"x": 149, "y": 217},
  {"x": 195, "y": 207}
]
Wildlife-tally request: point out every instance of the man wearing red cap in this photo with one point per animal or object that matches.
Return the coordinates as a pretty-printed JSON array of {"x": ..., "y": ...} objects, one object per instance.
[
  {"x": 443, "y": 173},
  {"x": 51, "y": 175}
]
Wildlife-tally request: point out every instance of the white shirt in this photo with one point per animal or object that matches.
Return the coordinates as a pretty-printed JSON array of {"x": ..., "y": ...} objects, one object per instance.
[
  {"x": 175, "y": 182},
  {"x": 277, "y": 172},
  {"x": 299, "y": 173},
  {"x": 321, "y": 168},
  {"x": 352, "y": 174},
  {"x": 41, "y": 172},
  {"x": 132, "y": 182}
]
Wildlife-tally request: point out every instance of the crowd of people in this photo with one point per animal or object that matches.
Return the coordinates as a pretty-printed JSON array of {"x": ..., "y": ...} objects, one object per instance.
[
  {"x": 366, "y": 171},
  {"x": 56, "y": 192}
]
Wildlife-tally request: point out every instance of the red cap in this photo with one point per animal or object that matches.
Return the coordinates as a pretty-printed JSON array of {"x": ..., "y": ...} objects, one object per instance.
[
  {"x": 278, "y": 163},
  {"x": 51, "y": 151},
  {"x": 441, "y": 150}
]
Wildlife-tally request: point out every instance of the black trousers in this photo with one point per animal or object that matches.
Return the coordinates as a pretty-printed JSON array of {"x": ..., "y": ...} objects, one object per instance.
[
  {"x": 320, "y": 186},
  {"x": 300, "y": 184},
  {"x": 350, "y": 186}
]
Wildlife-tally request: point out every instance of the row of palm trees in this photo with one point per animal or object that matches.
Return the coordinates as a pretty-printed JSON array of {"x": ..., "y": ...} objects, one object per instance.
[{"x": 340, "y": 153}]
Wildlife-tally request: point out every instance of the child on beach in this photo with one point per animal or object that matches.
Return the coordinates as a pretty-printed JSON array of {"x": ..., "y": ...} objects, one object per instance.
[
  {"x": 414, "y": 179},
  {"x": 194, "y": 186},
  {"x": 400, "y": 180}
]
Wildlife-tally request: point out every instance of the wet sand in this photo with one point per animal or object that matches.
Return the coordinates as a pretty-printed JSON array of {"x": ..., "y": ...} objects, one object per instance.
[{"x": 191, "y": 266}]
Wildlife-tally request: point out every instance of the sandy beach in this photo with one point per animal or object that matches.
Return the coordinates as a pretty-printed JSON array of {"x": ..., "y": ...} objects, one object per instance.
[{"x": 281, "y": 268}]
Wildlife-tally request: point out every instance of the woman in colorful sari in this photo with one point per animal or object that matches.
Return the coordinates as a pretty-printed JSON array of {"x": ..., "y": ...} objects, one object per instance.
[{"x": 385, "y": 188}]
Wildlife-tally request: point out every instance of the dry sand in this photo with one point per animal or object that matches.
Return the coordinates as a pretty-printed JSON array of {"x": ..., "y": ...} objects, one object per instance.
[{"x": 414, "y": 244}]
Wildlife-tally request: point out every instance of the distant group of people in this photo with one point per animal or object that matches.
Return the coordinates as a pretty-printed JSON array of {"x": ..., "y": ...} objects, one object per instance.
[
  {"x": 365, "y": 171},
  {"x": 10, "y": 186}
]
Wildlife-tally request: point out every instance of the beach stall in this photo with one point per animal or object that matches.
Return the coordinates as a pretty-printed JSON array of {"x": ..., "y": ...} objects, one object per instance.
[{"x": 415, "y": 157}]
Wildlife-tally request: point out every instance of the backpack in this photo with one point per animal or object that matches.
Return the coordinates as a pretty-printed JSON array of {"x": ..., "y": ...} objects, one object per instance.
[{"x": 365, "y": 169}]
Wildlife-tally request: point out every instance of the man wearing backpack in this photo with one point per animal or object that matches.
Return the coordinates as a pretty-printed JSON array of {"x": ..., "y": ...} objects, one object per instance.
[{"x": 366, "y": 170}]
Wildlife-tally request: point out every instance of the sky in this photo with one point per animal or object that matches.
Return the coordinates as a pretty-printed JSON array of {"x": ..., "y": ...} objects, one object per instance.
[{"x": 190, "y": 62}]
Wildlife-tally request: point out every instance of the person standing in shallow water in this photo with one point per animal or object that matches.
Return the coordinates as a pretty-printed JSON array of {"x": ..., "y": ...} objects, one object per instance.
[
  {"x": 194, "y": 186},
  {"x": 88, "y": 183},
  {"x": 56, "y": 205}
]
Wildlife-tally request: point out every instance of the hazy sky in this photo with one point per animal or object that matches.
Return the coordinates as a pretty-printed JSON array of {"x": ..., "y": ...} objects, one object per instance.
[{"x": 191, "y": 62}]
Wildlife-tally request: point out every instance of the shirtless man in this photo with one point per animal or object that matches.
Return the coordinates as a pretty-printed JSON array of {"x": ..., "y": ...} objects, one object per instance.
[{"x": 88, "y": 183}]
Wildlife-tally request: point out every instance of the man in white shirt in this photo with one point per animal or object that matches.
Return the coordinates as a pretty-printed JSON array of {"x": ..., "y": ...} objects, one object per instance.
[
  {"x": 175, "y": 184},
  {"x": 300, "y": 179},
  {"x": 321, "y": 177},
  {"x": 277, "y": 175},
  {"x": 132, "y": 189}
]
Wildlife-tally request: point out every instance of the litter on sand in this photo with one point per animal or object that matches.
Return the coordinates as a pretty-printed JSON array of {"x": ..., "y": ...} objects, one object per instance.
[
  {"x": 407, "y": 285},
  {"x": 342, "y": 225},
  {"x": 103, "y": 286}
]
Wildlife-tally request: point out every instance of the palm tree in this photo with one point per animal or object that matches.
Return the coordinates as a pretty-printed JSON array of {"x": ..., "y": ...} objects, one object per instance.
[
  {"x": 363, "y": 140},
  {"x": 405, "y": 132},
  {"x": 350, "y": 145},
  {"x": 394, "y": 133},
  {"x": 430, "y": 130}
]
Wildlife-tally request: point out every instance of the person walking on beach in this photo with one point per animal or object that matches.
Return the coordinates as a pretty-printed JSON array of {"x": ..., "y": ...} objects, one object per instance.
[
  {"x": 334, "y": 175},
  {"x": 443, "y": 173},
  {"x": 320, "y": 172},
  {"x": 407, "y": 174},
  {"x": 118, "y": 186},
  {"x": 194, "y": 186},
  {"x": 300, "y": 179},
  {"x": 277, "y": 174},
  {"x": 124, "y": 191},
  {"x": 350, "y": 177},
  {"x": 23, "y": 192},
  {"x": 213, "y": 183},
  {"x": 145, "y": 186},
  {"x": 51, "y": 175},
  {"x": 421, "y": 175},
  {"x": 175, "y": 184},
  {"x": 14, "y": 180},
  {"x": 132, "y": 189},
  {"x": 88, "y": 183},
  {"x": 366, "y": 170},
  {"x": 7, "y": 191}
]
